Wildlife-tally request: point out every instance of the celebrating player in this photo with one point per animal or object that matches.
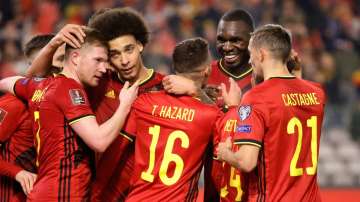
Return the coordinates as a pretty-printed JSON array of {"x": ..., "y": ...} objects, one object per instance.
[
  {"x": 62, "y": 114},
  {"x": 171, "y": 133},
  {"x": 280, "y": 132},
  {"x": 17, "y": 151}
]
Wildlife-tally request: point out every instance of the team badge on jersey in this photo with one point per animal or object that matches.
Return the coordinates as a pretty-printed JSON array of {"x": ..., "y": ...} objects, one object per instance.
[
  {"x": 3, "y": 113},
  {"x": 77, "y": 96},
  {"x": 244, "y": 112}
]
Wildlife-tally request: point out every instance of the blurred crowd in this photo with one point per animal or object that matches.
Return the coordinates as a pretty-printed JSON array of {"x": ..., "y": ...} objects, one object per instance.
[{"x": 326, "y": 34}]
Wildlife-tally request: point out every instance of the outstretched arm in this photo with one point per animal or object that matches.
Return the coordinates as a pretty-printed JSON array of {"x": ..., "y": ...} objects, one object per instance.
[
  {"x": 7, "y": 84},
  {"x": 70, "y": 34}
]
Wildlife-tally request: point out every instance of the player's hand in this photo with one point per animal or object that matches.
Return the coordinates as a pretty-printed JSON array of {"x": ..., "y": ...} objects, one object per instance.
[
  {"x": 179, "y": 85},
  {"x": 129, "y": 93},
  {"x": 26, "y": 179},
  {"x": 213, "y": 91},
  {"x": 70, "y": 34},
  {"x": 223, "y": 149},
  {"x": 295, "y": 63},
  {"x": 233, "y": 96}
]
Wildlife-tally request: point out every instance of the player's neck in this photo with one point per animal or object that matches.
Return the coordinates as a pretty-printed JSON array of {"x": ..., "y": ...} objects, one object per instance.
[
  {"x": 275, "y": 69},
  {"x": 236, "y": 71},
  {"x": 70, "y": 73},
  {"x": 143, "y": 74}
]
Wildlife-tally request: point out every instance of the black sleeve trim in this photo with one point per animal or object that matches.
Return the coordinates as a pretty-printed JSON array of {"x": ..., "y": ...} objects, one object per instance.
[{"x": 248, "y": 141}]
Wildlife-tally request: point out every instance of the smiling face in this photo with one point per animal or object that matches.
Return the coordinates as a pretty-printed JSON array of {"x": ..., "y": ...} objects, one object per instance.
[
  {"x": 125, "y": 56},
  {"x": 232, "y": 43}
]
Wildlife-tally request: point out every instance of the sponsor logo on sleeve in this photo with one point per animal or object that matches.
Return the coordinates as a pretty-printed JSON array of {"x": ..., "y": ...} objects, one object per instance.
[
  {"x": 243, "y": 129},
  {"x": 3, "y": 114},
  {"x": 77, "y": 96},
  {"x": 244, "y": 112}
]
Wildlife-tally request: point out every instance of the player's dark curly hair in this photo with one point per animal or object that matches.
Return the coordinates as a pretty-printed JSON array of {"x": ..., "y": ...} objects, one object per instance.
[
  {"x": 36, "y": 43},
  {"x": 116, "y": 22},
  {"x": 239, "y": 15},
  {"x": 189, "y": 54}
]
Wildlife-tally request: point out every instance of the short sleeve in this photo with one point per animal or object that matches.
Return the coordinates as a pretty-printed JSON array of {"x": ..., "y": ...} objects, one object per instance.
[
  {"x": 25, "y": 87},
  {"x": 11, "y": 115},
  {"x": 250, "y": 127},
  {"x": 73, "y": 101},
  {"x": 129, "y": 129}
]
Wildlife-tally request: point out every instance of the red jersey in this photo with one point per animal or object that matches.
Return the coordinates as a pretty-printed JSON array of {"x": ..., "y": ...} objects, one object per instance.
[
  {"x": 286, "y": 124},
  {"x": 220, "y": 75},
  {"x": 232, "y": 181},
  {"x": 171, "y": 134},
  {"x": 17, "y": 151},
  {"x": 214, "y": 169},
  {"x": 113, "y": 172},
  {"x": 63, "y": 158}
]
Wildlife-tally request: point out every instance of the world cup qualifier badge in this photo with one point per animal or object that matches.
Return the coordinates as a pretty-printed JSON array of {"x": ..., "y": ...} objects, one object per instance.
[
  {"x": 77, "y": 96},
  {"x": 3, "y": 114},
  {"x": 244, "y": 112}
]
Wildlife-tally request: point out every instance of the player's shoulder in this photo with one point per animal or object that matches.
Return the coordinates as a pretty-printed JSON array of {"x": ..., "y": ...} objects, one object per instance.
[{"x": 10, "y": 100}]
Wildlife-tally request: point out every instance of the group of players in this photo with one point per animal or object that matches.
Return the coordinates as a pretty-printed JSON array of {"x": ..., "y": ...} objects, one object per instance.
[{"x": 107, "y": 128}]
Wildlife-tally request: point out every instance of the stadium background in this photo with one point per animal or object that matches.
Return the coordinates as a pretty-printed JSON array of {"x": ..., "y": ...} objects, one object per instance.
[{"x": 326, "y": 33}]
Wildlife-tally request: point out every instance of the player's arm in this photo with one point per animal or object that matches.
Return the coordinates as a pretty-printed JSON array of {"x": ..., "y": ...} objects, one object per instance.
[
  {"x": 25, "y": 178},
  {"x": 179, "y": 85},
  {"x": 7, "y": 84},
  {"x": 70, "y": 34},
  {"x": 99, "y": 137},
  {"x": 244, "y": 159}
]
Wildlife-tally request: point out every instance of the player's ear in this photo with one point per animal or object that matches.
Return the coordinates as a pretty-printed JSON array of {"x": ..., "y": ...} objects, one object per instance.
[
  {"x": 262, "y": 55},
  {"x": 140, "y": 46},
  {"x": 74, "y": 57}
]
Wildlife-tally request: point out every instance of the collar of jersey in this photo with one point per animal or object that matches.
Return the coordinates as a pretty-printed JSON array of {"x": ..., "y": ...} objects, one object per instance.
[
  {"x": 283, "y": 77},
  {"x": 149, "y": 76},
  {"x": 232, "y": 75}
]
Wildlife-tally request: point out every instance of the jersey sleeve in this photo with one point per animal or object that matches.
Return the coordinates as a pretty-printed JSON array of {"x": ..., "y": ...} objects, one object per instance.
[
  {"x": 11, "y": 113},
  {"x": 73, "y": 101},
  {"x": 250, "y": 127},
  {"x": 129, "y": 129},
  {"x": 9, "y": 169},
  {"x": 25, "y": 87}
]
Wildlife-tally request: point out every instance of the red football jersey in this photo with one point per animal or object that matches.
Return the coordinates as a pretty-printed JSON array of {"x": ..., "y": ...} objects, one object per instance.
[
  {"x": 171, "y": 135},
  {"x": 283, "y": 116},
  {"x": 113, "y": 171},
  {"x": 233, "y": 184},
  {"x": 17, "y": 151},
  {"x": 214, "y": 169},
  {"x": 63, "y": 158},
  {"x": 220, "y": 75}
]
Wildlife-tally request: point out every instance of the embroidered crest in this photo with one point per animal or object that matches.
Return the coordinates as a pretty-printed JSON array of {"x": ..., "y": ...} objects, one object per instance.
[
  {"x": 77, "y": 96},
  {"x": 3, "y": 114},
  {"x": 244, "y": 112}
]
